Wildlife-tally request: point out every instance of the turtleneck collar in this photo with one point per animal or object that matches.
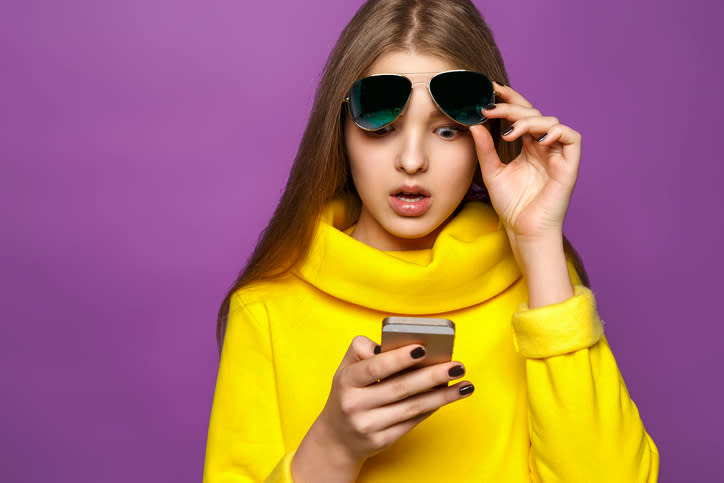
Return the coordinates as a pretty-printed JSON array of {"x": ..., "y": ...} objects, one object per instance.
[{"x": 470, "y": 262}]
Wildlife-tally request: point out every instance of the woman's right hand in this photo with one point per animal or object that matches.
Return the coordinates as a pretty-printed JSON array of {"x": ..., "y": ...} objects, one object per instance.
[{"x": 371, "y": 406}]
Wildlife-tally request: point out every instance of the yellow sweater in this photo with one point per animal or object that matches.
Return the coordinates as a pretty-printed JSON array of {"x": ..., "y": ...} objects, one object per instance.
[{"x": 549, "y": 405}]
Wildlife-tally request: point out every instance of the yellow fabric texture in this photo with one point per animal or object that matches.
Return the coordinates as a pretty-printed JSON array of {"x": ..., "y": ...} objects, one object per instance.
[
  {"x": 550, "y": 403},
  {"x": 557, "y": 329}
]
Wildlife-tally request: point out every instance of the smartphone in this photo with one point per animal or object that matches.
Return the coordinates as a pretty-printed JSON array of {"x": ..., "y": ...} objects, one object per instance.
[{"x": 437, "y": 335}]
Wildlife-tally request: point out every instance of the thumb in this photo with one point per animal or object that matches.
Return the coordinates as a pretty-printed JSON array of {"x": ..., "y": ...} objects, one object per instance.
[
  {"x": 360, "y": 349},
  {"x": 485, "y": 148}
]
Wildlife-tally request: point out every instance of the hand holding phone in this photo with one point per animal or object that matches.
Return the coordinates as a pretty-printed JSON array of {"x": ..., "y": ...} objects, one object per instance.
[
  {"x": 375, "y": 399},
  {"x": 436, "y": 335}
]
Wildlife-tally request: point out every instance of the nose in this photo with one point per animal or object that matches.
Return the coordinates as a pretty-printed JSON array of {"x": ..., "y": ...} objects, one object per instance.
[{"x": 413, "y": 157}]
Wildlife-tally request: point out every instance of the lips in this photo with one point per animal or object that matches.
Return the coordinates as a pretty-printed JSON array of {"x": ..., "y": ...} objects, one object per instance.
[
  {"x": 410, "y": 197},
  {"x": 410, "y": 190},
  {"x": 410, "y": 200}
]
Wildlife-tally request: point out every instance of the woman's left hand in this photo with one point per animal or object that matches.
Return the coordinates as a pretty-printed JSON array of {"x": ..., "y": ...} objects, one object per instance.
[{"x": 532, "y": 192}]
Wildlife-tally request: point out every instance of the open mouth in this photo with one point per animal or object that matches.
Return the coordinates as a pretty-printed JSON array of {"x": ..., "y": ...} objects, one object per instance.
[
  {"x": 410, "y": 197},
  {"x": 410, "y": 200}
]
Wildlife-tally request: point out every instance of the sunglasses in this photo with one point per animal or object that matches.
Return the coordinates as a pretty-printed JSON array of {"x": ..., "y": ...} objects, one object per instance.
[{"x": 377, "y": 100}]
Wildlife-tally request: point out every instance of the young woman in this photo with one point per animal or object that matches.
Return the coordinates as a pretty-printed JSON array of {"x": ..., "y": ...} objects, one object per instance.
[{"x": 424, "y": 185}]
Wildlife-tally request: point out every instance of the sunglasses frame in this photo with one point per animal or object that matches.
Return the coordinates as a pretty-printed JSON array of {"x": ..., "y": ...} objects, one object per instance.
[{"x": 412, "y": 85}]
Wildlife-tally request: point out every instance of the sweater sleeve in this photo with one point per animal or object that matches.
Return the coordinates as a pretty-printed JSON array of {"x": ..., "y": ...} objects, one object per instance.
[
  {"x": 245, "y": 439},
  {"x": 583, "y": 424}
]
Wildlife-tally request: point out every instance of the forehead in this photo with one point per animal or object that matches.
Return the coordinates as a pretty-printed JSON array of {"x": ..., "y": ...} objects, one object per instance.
[{"x": 407, "y": 62}]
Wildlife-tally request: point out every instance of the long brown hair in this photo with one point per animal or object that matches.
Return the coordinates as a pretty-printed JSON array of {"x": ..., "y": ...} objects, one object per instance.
[{"x": 451, "y": 29}]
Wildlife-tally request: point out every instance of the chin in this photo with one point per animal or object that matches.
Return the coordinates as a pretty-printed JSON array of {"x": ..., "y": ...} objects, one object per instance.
[{"x": 414, "y": 230}]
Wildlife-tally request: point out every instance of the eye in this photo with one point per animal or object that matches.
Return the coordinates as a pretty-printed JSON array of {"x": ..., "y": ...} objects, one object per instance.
[
  {"x": 448, "y": 132},
  {"x": 382, "y": 131}
]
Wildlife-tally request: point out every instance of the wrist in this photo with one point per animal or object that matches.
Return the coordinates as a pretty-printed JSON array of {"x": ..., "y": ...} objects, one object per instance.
[
  {"x": 321, "y": 458},
  {"x": 542, "y": 261},
  {"x": 532, "y": 251}
]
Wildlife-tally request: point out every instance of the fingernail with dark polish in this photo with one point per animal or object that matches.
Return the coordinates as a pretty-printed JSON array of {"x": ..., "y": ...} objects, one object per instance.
[
  {"x": 490, "y": 106},
  {"x": 466, "y": 389},
  {"x": 456, "y": 371},
  {"x": 417, "y": 353},
  {"x": 377, "y": 349},
  {"x": 542, "y": 137},
  {"x": 508, "y": 131}
]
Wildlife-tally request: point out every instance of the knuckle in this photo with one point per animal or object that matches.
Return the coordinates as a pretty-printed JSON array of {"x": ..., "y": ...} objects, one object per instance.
[
  {"x": 371, "y": 371},
  {"x": 362, "y": 425},
  {"x": 348, "y": 406},
  {"x": 414, "y": 408},
  {"x": 437, "y": 377},
  {"x": 451, "y": 394},
  {"x": 342, "y": 375},
  {"x": 358, "y": 342},
  {"x": 399, "y": 390},
  {"x": 379, "y": 441}
]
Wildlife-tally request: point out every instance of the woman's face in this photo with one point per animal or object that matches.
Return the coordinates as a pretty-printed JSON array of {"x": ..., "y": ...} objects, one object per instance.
[{"x": 412, "y": 174}]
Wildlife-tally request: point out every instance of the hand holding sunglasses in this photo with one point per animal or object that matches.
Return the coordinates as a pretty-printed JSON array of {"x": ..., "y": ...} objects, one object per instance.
[{"x": 532, "y": 192}]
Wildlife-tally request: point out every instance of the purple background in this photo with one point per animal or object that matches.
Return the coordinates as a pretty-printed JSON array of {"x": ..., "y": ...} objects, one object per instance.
[{"x": 143, "y": 146}]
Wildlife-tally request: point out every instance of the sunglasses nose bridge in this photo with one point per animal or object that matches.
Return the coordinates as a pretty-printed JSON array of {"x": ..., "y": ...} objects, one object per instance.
[{"x": 425, "y": 83}]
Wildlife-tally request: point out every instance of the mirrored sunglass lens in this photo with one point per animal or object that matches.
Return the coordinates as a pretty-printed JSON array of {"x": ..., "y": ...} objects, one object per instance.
[
  {"x": 462, "y": 95},
  {"x": 378, "y": 100}
]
